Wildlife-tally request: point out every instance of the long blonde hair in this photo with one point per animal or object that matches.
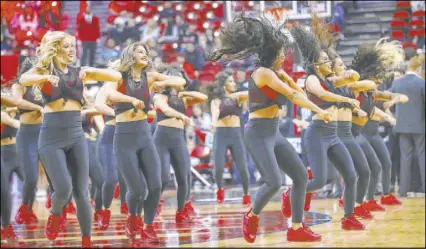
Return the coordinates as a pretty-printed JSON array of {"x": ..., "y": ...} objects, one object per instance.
[
  {"x": 49, "y": 48},
  {"x": 127, "y": 59}
]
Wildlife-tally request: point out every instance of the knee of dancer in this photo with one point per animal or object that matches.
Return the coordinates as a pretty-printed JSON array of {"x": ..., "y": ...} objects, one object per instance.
[
  {"x": 63, "y": 192},
  {"x": 364, "y": 173},
  {"x": 274, "y": 183},
  {"x": 301, "y": 178},
  {"x": 155, "y": 188},
  {"x": 318, "y": 182},
  {"x": 376, "y": 170},
  {"x": 350, "y": 178}
]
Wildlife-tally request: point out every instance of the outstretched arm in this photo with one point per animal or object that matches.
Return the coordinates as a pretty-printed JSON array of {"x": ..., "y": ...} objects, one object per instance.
[{"x": 17, "y": 92}]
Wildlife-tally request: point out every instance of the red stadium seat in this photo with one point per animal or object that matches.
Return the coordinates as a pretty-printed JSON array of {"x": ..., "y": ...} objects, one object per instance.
[
  {"x": 409, "y": 45},
  {"x": 398, "y": 35},
  {"x": 403, "y": 5},
  {"x": 401, "y": 14},
  {"x": 416, "y": 32},
  {"x": 417, "y": 22},
  {"x": 419, "y": 13},
  {"x": 395, "y": 24},
  {"x": 206, "y": 77}
]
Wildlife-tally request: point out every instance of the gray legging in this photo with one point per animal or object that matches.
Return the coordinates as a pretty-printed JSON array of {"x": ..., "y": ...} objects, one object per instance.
[
  {"x": 371, "y": 132},
  {"x": 27, "y": 144},
  {"x": 358, "y": 157},
  {"x": 322, "y": 143},
  {"x": 6, "y": 204},
  {"x": 271, "y": 152},
  {"x": 138, "y": 161},
  {"x": 123, "y": 187},
  {"x": 230, "y": 138},
  {"x": 109, "y": 164},
  {"x": 95, "y": 174},
  {"x": 171, "y": 147},
  {"x": 64, "y": 153},
  {"x": 372, "y": 159},
  {"x": 11, "y": 162}
]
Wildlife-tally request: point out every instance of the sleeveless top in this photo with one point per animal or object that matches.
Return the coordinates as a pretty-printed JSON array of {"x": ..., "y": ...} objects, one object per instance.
[
  {"x": 366, "y": 102},
  {"x": 107, "y": 117},
  {"x": 70, "y": 86},
  {"x": 345, "y": 92},
  {"x": 9, "y": 131},
  {"x": 174, "y": 102},
  {"x": 139, "y": 90},
  {"x": 328, "y": 86},
  {"x": 30, "y": 97},
  {"x": 260, "y": 98},
  {"x": 229, "y": 107}
]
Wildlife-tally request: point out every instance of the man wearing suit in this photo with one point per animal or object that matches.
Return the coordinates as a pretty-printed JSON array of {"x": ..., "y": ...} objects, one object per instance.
[{"x": 410, "y": 123}]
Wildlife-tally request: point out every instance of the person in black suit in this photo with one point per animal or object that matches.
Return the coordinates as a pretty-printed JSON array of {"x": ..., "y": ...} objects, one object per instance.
[{"x": 410, "y": 123}]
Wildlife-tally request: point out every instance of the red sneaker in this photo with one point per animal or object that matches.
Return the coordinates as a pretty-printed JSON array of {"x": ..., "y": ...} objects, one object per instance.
[
  {"x": 131, "y": 226},
  {"x": 8, "y": 233},
  {"x": 246, "y": 200},
  {"x": 117, "y": 191},
  {"x": 351, "y": 223},
  {"x": 341, "y": 204},
  {"x": 220, "y": 195},
  {"x": 139, "y": 224},
  {"x": 182, "y": 216},
  {"x": 362, "y": 212},
  {"x": 71, "y": 209},
  {"x": 85, "y": 242},
  {"x": 22, "y": 214},
  {"x": 98, "y": 215},
  {"x": 373, "y": 206},
  {"x": 190, "y": 209},
  {"x": 308, "y": 199},
  {"x": 104, "y": 221},
  {"x": 250, "y": 225},
  {"x": 302, "y": 234},
  {"x": 389, "y": 200},
  {"x": 52, "y": 227},
  {"x": 285, "y": 203},
  {"x": 48, "y": 201},
  {"x": 148, "y": 235},
  {"x": 63, "y": 221},
  {"x": 31, "y": 217},
  {"x": 124, "y": 209}
]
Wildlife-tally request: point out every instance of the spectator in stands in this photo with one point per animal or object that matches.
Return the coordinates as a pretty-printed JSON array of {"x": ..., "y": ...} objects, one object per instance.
[
  {"x": 201, "y": 120},
  {"x": 157, "y": 62},
  {"x": 170, "y": 33},
  {"x": 168, "y": 11},
  {"x": 154, "y": 49},
  {"x": 89, "y": 32},
  {"x": 205, "y": 44},
  {"x": 190, "y": 35},
  {"x": 181, "y": 26},
  {"x": 132, "y": 30},
  {"x": 195, "y": 55},
  {"x": 150, "y": 31},
  {"x": 109, "y": 53},
  {"x": 118, "y": 32}
]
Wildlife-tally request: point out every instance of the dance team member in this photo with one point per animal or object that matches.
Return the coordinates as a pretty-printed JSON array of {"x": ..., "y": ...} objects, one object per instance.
[
  {"x": 374, "y": 62},
  {"x": 344, "y": 115},
  {"x": 29, "y": 102},
  {"x": 62, "y": 145},
  {"x": 321, "y": 139},
  {"x": 134, "y": 149},
  {"x": 8, "y": 125},
  {"x": 270, "y": 151},
  {"x": 169, "y": 137},
  {"x": 226, "y": 110}
]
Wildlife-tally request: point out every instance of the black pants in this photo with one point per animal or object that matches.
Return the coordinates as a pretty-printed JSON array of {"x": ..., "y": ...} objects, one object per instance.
[
  {"x": 89, "y": 53},
  {"x": 171, "y": 147},
  {"x": 138, "y": 160},
  {"x": 64, "y": 153},
  {"x": 271, "y": 152}
]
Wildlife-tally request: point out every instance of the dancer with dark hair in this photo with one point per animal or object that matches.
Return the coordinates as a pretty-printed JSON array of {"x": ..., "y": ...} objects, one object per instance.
[
  {"x": 376, "y": 62},
  {"x": 268, "y": 90},
  {"x": 226, "y": 110},
  {"x": 321, "y": 139},
  {"x": 136, "y": 154},
  {"x": 9, "y": 126},
  {"x": 29, "y": 102},
  {"x": 105, "y": 152},
  {"x": 62, "y": 146},
  {"x": 171, "y": 104},
  {"x": 344, "y": 116}
]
